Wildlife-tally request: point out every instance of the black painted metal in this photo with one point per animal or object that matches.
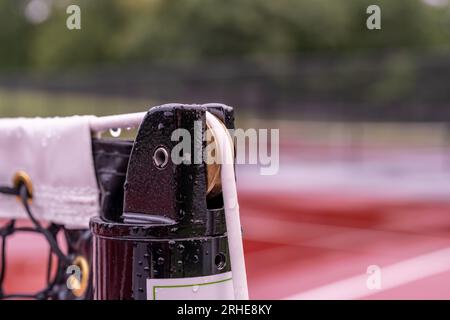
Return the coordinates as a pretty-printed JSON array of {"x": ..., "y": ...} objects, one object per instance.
[
  {"x": 111, "y": 162},
  {"x": 168, "y": 228}
]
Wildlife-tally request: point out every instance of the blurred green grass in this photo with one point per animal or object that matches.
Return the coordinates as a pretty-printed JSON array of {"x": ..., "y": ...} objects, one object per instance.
[
  {"x": 29, "y": 103},
  {"x": 24, "y": 103}
]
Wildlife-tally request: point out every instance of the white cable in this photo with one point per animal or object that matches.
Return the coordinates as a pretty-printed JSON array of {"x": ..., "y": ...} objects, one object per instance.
[
  {"x": 129, "y": 120},
  {"x": 231, "y": 207}
]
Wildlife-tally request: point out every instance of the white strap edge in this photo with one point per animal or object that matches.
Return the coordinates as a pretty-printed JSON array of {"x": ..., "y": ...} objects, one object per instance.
[{"x": 231, "y": 206}]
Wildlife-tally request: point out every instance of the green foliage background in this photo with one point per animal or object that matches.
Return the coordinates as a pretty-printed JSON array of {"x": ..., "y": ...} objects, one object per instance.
[{"x": 124, "y": 31}]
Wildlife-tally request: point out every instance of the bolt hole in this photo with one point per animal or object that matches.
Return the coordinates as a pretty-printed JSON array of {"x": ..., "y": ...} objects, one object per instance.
[
  {"x": 161, "y": 158},
  {"x": 220, "y": 260}
]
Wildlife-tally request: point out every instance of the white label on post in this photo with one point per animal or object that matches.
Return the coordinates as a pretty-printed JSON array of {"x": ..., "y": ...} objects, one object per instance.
[{"x": 215, "y": 287}]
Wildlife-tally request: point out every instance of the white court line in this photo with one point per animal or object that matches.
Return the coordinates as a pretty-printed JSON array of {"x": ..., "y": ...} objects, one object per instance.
[{"x": 392, "y": 276}]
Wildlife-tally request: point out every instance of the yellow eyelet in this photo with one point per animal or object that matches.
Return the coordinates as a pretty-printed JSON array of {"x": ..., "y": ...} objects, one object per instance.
[
  {"x": 81, "y": 284},
  {"x": 21, "y": 177}
]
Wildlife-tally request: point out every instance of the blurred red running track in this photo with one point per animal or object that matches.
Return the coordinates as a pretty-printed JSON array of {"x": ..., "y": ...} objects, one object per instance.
[
  {"x": 319, "y": 247},
  {"x": 316, "y": 246}
]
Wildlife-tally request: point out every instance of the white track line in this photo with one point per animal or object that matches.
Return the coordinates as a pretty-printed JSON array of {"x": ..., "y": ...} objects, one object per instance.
[{"x": 392, "y": 276}]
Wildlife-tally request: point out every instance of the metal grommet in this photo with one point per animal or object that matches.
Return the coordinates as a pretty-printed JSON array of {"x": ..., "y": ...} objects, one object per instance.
[
  {"x": 161, "y": 157},
  {"x": 81, "y": 286},
  {"x": 220, "y": 261},
  {"x": 21, "y": 177}
]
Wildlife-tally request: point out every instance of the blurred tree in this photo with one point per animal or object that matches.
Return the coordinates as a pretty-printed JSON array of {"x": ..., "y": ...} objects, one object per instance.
[
  {"x": 124, "y": 31},
  {"x": 55, "y": 46},
  {"x": 405, "y": 24},
  {"x": 15, "y": 35},
  {"x": 194, "y": 29}
]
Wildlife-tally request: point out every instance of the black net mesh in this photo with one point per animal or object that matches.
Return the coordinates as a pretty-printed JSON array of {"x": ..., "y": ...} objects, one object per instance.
[
  {"x": 57, "y": 275},
  {"x": 111, "y": 162}
]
